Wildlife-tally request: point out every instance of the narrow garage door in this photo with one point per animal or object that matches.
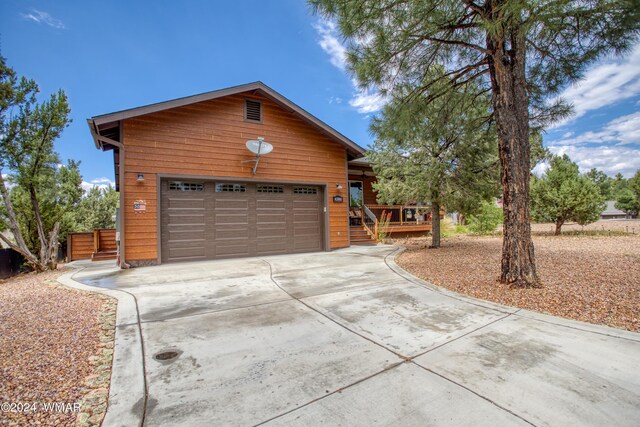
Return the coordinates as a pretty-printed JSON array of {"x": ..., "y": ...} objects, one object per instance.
[{"x": 209, "y": 220}]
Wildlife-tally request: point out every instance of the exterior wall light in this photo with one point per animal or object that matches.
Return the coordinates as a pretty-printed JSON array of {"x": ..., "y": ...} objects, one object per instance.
[{"x": 140, "y": 177}]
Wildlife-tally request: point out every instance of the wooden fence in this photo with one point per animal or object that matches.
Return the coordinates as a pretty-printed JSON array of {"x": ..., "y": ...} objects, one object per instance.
[
  {"x": 10, "y": 263},
  {"x": 86, "y": 245}
]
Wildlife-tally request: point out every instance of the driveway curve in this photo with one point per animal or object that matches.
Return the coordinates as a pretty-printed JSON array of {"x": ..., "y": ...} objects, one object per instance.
[{"x": 349, "y": 338}]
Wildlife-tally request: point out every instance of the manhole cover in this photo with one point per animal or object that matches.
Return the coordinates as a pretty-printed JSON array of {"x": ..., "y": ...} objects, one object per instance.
[{"x": 166, "y": 355}]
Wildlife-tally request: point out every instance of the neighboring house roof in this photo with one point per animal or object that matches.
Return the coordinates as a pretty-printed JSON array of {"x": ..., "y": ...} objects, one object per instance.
[
  {"x": 107, "y": 125},
  {"x": 611, "y": 209}
]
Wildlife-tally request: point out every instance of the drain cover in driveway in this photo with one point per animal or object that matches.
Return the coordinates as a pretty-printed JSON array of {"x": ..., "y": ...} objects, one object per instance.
[{"x": 167, "y": 355}]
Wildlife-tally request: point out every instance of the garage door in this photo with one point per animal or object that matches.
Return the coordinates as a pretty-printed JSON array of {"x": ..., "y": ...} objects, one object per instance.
[{"x": 209, "y": 220}]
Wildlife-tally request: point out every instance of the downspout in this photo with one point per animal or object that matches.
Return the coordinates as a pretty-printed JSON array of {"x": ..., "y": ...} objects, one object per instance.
[{"x": 103, "y": 139}]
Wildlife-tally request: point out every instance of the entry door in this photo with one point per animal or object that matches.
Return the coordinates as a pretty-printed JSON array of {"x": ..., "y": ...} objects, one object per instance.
[{"x": 356, "y": 195}]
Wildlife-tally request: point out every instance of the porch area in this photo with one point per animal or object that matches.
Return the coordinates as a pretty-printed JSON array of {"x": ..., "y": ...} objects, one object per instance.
[{"x": 390, "y": 220}]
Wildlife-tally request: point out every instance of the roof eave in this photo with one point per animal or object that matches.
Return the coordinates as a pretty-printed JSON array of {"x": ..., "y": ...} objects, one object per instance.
[{"x": 94, "y": 134}]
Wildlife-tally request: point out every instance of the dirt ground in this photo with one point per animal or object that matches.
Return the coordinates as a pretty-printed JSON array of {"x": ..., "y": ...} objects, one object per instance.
[
  {"x": 594, "y": 279},
  {"x": 602, "y": 226},
  {"x": 56, "y": 347}
]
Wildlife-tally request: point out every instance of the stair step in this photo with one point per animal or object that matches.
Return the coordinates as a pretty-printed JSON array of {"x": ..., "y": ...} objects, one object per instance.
[
  {"x": 364, "y": 243},
  {"x": 104, "y": 256},
  {"x": 362, "y": 240}
]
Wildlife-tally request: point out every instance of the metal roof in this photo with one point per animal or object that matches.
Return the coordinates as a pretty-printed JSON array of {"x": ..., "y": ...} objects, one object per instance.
[{"x": 611, "y": 209}]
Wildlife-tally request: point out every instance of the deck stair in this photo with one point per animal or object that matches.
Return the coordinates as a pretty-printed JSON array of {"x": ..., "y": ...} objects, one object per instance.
[
  {"x": 359, "y": 236},
  {"x": 104, "y": 255}
]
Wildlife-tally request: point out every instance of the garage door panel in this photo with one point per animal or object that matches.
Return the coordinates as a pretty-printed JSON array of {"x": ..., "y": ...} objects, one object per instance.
[
  {"x": 270, "y": 204},
  {"x": 232, "y": 250},
  {"x": 275, "y": 232},
  {"x": 183, "y": 203},
  {"x": 274, "y": 218},
  {"x": 185, "y": 219},
  {"x": 188, "y": 236},
  {"x": 184, "y": 253},
  {"x": 231, "y": 219},
  {"x": 231, "y": 233},
  {"x": 265, "y": 219},
  {"x": 223, "y": 203}
]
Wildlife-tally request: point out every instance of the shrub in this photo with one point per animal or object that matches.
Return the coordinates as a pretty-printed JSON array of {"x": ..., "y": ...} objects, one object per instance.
[{"x": 485, "y": 221}]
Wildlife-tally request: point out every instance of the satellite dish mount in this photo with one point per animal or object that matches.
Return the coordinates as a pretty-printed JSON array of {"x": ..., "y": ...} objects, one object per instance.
[{"x": 258, "y": 147}]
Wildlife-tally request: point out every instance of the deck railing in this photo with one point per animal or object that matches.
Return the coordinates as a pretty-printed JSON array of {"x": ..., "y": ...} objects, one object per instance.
[
  {"x": 402, "y": 214},
  {"x": 370, "y": 222}
]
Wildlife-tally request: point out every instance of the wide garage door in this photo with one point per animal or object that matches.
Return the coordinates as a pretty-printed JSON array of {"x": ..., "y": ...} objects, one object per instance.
[{"x": 209, "y": 220}]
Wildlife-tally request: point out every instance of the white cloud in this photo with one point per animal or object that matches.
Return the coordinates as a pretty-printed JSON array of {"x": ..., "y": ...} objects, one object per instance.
[
  {"x": 615, "y": 148},
  {"x": 101, "y": 183},
  {"x": 43, "y": 18},
  {"x": 610, "y": 159},
  {"x": 623, "y": 130},
  {"x": 365, "y": 101},
  {"x": 541, "y": 168},
  {"x": 330, "y": 44},
  {"x": 605, "y": 84}
]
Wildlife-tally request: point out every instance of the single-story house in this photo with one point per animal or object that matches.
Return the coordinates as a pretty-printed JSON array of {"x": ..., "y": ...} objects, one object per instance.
[
  {"x": 611, "y": 212},
  {"x": 192, "y": 185}
]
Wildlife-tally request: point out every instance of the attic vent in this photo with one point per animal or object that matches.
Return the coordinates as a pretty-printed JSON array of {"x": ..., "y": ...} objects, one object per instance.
[{"x": 252, "y": 110}]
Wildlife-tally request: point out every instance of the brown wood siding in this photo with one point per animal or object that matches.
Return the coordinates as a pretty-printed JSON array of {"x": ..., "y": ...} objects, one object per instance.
[
  {"x": 108, "y": 240},
  {"x": 81, "y": 245},
  {"x": 208, "y": 139}
]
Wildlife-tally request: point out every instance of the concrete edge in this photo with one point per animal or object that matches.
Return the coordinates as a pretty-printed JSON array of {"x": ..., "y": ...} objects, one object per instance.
[
  {"x": 125, "y": 406},
  {"x": 390, "y": 259}
]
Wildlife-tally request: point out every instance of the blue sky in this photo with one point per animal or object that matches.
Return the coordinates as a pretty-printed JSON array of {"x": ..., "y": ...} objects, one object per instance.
[{"x": 112, "y": 55}]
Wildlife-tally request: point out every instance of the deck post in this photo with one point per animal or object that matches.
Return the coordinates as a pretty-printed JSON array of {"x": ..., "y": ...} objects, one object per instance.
[
  {"x": 401, "y": 214},
  {"x": 96, "y": 241}
]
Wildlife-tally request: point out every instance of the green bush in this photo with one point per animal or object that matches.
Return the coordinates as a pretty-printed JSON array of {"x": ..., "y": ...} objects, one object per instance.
[
  {"x": 485, "y": 221},
  {"x": 449, "y": 229}
]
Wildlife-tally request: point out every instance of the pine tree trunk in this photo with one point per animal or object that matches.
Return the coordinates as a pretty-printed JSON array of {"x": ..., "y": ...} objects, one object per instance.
[
  {"x": 435, "y": 225},
  {"x": 510, "y": 103}
]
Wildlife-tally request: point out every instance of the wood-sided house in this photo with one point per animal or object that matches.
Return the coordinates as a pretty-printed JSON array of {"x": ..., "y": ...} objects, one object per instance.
[{"x": 188, "y": 189}]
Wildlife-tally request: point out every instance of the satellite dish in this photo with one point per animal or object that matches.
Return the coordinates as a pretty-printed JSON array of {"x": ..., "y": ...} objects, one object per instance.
[{"x": 258, "y": 147}]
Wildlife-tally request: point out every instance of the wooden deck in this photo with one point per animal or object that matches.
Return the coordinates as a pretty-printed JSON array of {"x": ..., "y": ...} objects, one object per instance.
[{"x": 408, "y": 228}]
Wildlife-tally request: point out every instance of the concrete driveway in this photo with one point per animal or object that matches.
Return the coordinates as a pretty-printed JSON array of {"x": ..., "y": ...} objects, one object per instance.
[{"x": 348, "y": 338}]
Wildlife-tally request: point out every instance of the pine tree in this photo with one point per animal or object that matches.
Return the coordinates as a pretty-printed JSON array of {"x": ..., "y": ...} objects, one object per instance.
[
  {"x": 417, "y": 158},
  {"x": 602, "y": 180},
  {"x": 628, "y": 199},
  {"x": 521, "y": 52},
  {"x": 563, "y": 195}
]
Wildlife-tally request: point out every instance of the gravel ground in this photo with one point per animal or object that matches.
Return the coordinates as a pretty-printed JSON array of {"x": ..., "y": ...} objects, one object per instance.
[
  {"x": 594, "y": 279},
  {"x": 56, "y": 345},
  {"x": 627, "y": 226}
]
